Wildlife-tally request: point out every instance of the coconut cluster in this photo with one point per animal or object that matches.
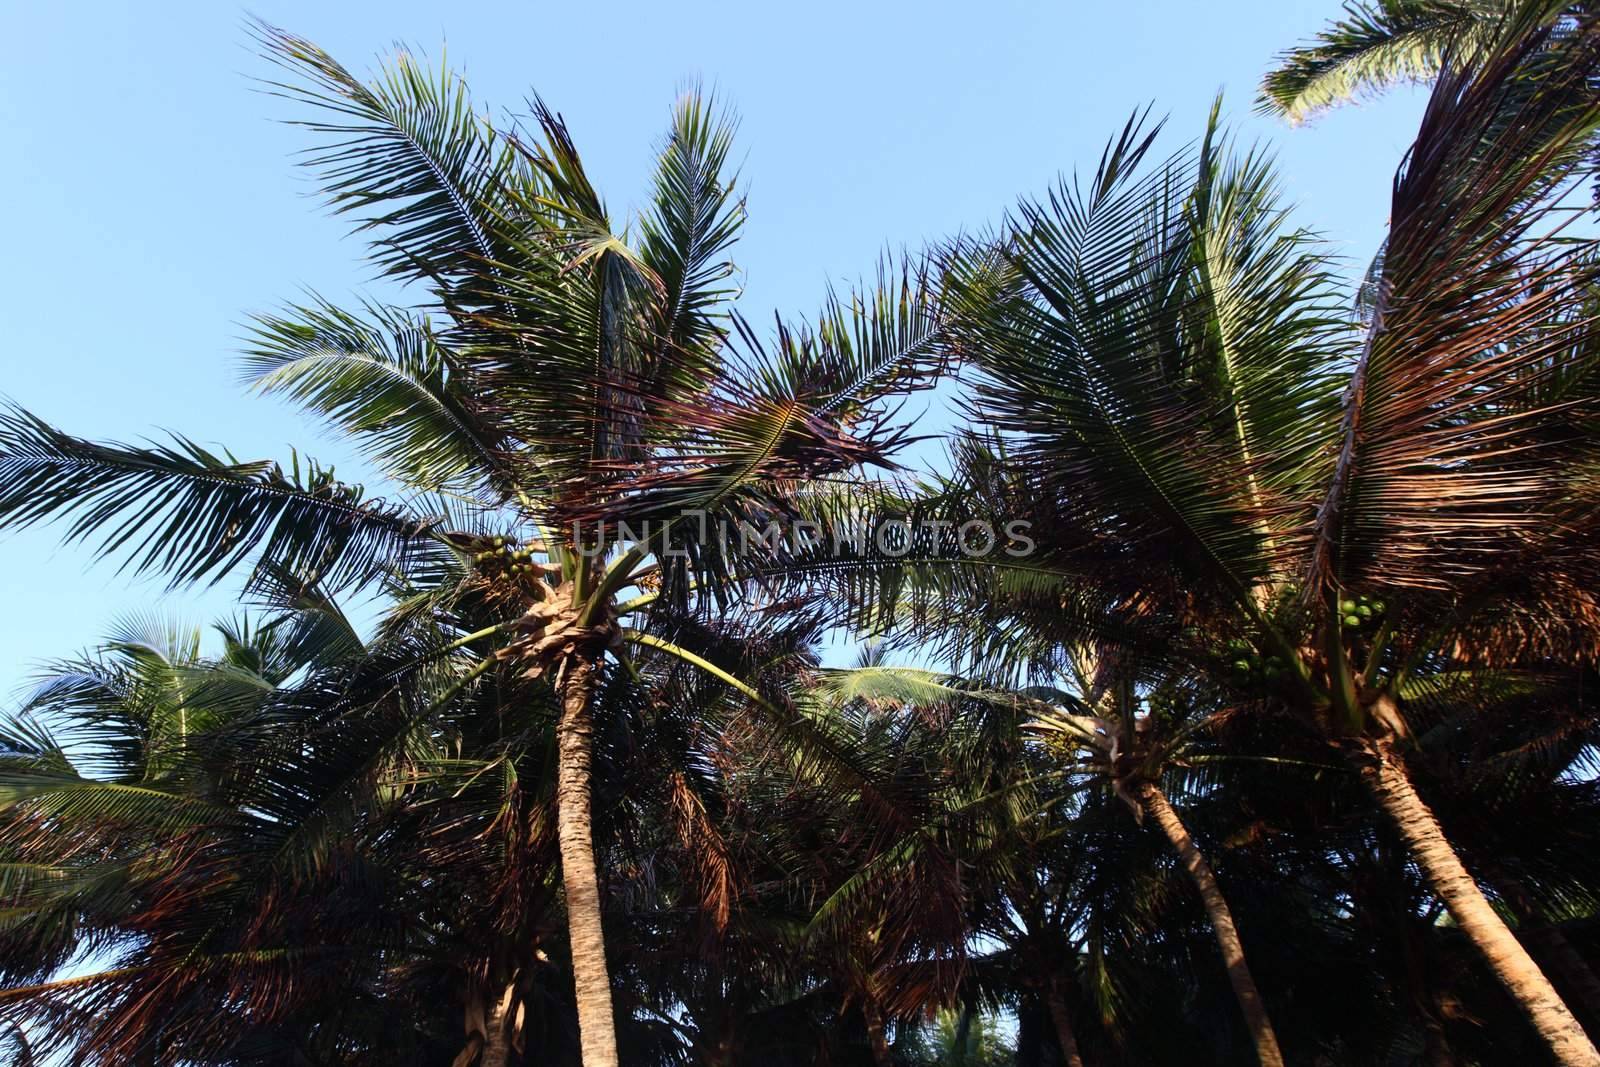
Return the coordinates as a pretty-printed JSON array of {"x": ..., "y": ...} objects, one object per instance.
[
  {"x": 502, "y": 556},
  {"x": 1360, "y": 613},
  {"x": 1248, "y": 665}
]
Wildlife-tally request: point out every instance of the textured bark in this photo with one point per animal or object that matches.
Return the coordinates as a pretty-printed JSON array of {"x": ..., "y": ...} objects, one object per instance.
[
  {"x": 877, "y": 1037},
  {"x": 1386, "y": 777},
  {"x": 1580, "y": 985},
  {"x": 1244, "y": 986},
  {"x": 497, "y": 1026},
  {"x": 574, "y": 742},
  {"x": 1061, "y": 1015},
  {"x": 1575, "y": 980}
]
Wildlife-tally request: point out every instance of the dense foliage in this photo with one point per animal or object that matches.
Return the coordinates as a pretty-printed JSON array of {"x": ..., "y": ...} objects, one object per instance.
[{"x": 1277, "y": 743}]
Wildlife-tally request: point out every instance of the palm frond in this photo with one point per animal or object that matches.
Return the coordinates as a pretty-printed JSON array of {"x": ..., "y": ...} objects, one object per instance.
[
  {"x": 1451, "y": 433},
  {"x": 407, "y": 152},
  {"x": 1377, "y": 44},
  {"x": 694, "y": 218},
  {"x": 1086, "y": 372},
  {"x": 189, "y": 514},
  {"x": 388, "y": 380}
]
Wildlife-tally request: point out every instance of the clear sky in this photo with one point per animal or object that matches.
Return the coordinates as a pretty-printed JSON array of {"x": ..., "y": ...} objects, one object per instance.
[{"x": 151, "y": 202}]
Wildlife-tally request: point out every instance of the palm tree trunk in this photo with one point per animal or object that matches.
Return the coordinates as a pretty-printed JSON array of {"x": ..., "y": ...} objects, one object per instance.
[
  {"x": 497, "y": 1026},
  {"x": 1575, "y": 980},
  {"x": 1386, "y": 777},
  {"x": 877, "y": 1037},
  {"x": 574, "y": 741},
  {"x": 1244, "y": 986},
  {"x": 1061, "y": 1015},
  {"x": 1572, "y": 972}
]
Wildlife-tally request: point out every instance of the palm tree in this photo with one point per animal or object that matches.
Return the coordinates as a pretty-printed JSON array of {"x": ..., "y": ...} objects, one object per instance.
[
  {"x": 1101, "y": 736},
  {"x": 559, "y": 372},
  {"x": 292, "y": 851},
  {"x": 1508, "y": 755},
  {"x": 1104, "y": 733},
  {"x": 1209, "y": 443},
  {"x": 144, "y": 841}
]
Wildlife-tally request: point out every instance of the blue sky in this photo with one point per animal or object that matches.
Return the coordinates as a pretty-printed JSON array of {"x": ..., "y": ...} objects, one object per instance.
[{"x": 152, "y": 203}]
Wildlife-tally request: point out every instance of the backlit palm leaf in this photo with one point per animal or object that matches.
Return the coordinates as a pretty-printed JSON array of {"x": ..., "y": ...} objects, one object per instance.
[{"x": 1376, "y": 44}]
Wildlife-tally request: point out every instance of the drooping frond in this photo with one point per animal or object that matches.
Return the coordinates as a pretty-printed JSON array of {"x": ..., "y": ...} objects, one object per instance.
[
  {"x": 188, "y": 514},
  {"x": 1475, "y": 369},
  {"x": 1377, "y": 44},
  {"x": 387, "y": 379}
]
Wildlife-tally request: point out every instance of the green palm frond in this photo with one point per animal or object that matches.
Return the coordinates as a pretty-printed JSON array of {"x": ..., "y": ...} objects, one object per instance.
[
  {"x": 407, "y": 153},
  {"x": 775, "y": 417},
  {"x": 1086, "y": 372},
  {"x": 189, "y": 514},
  {"x": 1377, "y": 44},
  {"x": 1270, "y": 329},
  {"x": 51, "y": 795},
  {"x": 891, "y": 687},
  {"x": 694, "y": 219},
  {"x": 386, "y": 379},
  {"x": 312, "y": 627}
]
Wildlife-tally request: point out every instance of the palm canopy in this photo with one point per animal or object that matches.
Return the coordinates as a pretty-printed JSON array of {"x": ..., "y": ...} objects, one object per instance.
[
  {"x": 157, "y": 829},
  {"x": 1246, "y": 497},
  {"x": 1215, "y": 447},
  {"x": 348, "y": 850},
  {"x": 1205, "y": 434},
  {"x": 559, "y": 368}
]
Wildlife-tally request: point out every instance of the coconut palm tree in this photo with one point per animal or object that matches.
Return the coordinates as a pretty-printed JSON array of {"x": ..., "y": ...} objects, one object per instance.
[
  {"x": 1212, "y": 447},
  {"x": 1103, "y": 736},
  {"x": 1508, "y": 755},
  {"x": 145, "y": 843},
  {"x": 560, "y": 372},
  {"x": 288, "y": 851},
  {"x": 1105, "y": 732}
]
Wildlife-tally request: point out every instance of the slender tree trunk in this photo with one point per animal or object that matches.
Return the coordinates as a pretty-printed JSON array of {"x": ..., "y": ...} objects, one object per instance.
[
  {"x": 1386, "y": 777},
  {"x": 1060, "y": 1014},
  {"x": 574, "y": 741},
  {"x": 877, "y": 1036},
  {"x": 497, "y": 1026},
  {"x": 1571, "y": 971},
  {"x": 1244, "y": 986},
  {"x": 1573, "y": 977},
  {"x": 489, "y": 1030}
]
